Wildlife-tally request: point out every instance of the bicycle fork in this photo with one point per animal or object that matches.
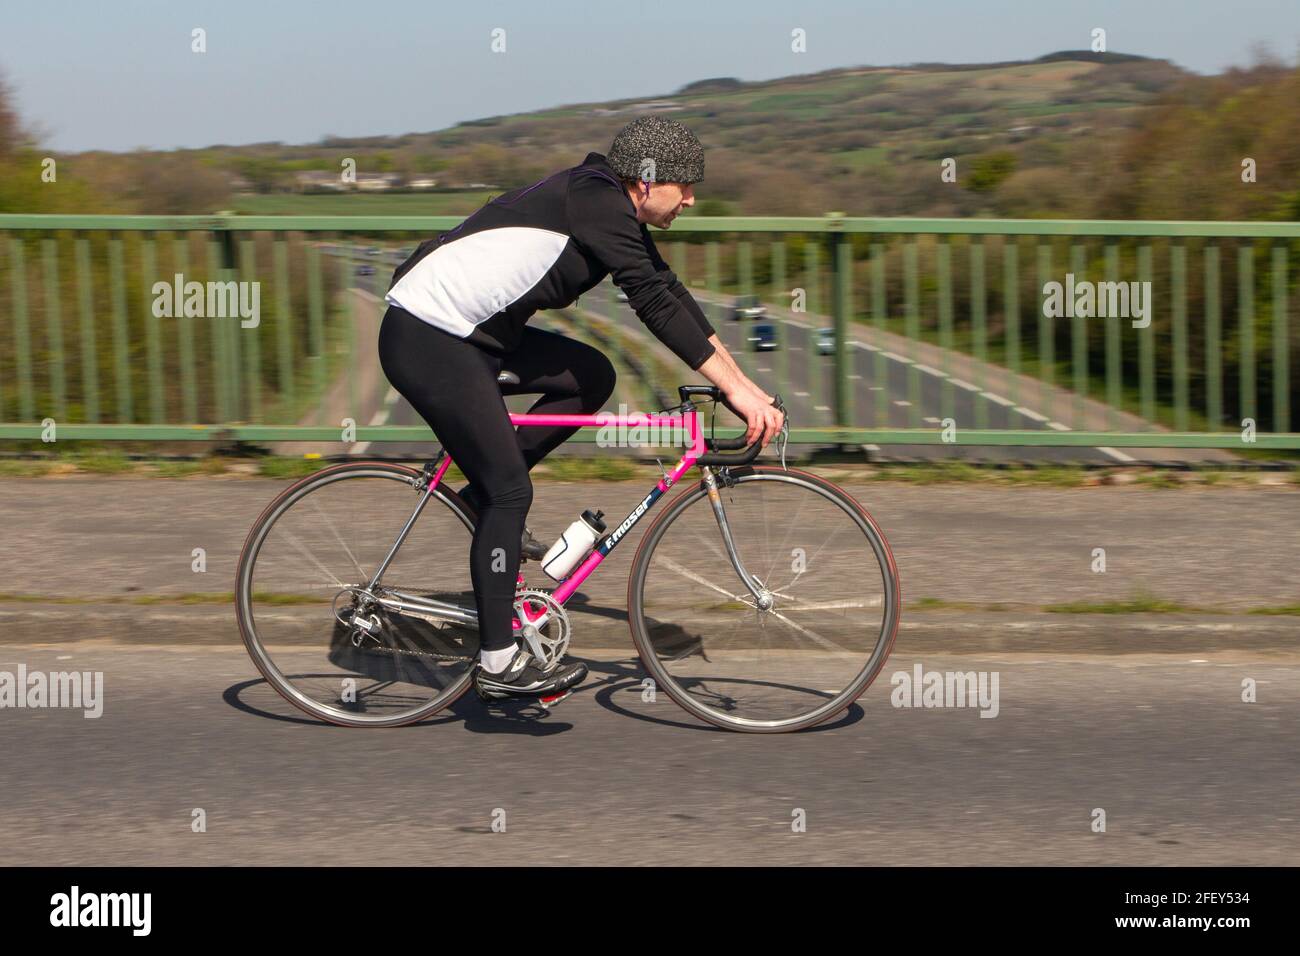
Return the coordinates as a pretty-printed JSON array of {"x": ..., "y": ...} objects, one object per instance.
[{"x": 762, "y": 596}]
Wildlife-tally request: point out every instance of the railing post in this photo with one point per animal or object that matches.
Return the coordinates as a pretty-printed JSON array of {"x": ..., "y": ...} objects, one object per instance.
[
  {"x": 229, "y": 271},
  {"x": 781, "y": 295},
  {"x": 841, "y": 307}
]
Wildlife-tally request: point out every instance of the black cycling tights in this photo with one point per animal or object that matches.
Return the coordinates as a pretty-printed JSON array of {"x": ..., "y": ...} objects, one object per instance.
[{"x": 452, "y": 384}]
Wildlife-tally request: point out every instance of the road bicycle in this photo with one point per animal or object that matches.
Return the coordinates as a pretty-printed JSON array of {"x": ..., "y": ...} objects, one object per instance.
[{"x": 763, "y": 598}]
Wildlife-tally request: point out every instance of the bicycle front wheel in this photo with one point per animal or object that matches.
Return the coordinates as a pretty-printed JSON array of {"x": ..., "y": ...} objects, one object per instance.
[{"x": 832, "y": 601}]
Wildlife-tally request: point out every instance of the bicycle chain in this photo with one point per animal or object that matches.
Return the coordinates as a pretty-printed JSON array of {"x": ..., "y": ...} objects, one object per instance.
[{"x": 445, "y": 624}]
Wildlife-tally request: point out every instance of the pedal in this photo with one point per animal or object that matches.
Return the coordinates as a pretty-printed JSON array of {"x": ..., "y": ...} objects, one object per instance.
[{"x": 549, "y": 702}]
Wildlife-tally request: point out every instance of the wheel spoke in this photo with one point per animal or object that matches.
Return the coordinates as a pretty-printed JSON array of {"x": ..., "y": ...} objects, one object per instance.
[
  {"x": 409, "y": 668},
  {"x": 692, "y": 576},
  {"x": 329, "y": 523},
  {"x": 811, "y": 634}
]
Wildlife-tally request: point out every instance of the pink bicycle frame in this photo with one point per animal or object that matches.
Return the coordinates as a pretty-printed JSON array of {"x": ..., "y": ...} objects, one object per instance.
[{"x": 689, "y": 421}]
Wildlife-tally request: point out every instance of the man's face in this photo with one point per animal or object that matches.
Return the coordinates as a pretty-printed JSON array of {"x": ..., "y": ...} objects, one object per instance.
[{"x": 664, "y": 202}]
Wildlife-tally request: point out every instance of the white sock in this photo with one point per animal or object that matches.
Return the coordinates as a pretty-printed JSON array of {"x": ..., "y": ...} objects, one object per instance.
[{"x": 494, "y": 662}]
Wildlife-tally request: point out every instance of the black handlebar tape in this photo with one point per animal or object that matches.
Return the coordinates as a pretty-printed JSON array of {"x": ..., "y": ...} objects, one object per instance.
[{"x": 723, "y": 444}]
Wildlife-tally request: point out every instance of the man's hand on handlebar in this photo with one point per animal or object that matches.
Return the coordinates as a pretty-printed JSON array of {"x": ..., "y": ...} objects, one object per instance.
[{"x": 760, "y": 416}]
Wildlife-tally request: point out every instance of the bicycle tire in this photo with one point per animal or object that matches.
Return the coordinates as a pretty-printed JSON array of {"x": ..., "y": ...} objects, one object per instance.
[{"x": 839, "y": 703}]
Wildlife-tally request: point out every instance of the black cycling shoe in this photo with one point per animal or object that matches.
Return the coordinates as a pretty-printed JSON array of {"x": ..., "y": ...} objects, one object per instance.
[
  {"x": 523, "y": 677},
  {"x": 530, "y": 547}
]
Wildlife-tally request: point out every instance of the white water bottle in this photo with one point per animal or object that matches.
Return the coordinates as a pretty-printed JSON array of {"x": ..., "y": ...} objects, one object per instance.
[{"x": 574, "y": 545}]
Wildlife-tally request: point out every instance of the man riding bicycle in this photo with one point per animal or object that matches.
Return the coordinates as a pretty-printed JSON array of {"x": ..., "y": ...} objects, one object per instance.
[{"x": 457, "y": 315}]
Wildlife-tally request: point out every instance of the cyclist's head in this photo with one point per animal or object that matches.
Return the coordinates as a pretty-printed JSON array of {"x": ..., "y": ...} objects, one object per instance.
[{"x": 659, "y": 160}]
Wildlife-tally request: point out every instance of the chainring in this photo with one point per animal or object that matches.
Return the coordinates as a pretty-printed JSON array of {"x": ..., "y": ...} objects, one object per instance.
[{"x": 549, "y": 642}]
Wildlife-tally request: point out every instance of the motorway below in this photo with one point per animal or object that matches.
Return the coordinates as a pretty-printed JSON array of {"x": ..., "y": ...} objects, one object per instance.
[
  {"x": 896, "y": 389},
  {"x": 895, "y": 383}
]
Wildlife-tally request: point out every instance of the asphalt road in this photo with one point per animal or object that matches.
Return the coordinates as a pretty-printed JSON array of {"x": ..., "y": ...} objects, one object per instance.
[
  {"x": 1185, "y": 772},
  {"x": 1138, "y": 715}
]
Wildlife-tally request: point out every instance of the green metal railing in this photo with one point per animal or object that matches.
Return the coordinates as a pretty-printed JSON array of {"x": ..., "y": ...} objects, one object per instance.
[{"x": 933, "y": 321}]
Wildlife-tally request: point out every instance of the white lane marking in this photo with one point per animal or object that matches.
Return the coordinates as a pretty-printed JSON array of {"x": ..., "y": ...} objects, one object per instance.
[
  {"x": 761, "y": 369},
  {"x": 801, "y": 394},
  {"x": 1115, "y": 453},
  {"x": 896, "y": 357},
  {"x": 1031, "y": 414},
  {"x": 875, "y": 388},
  {"x": 865, "y": 345},
  {"x": 930, "y": 421},
  {"x": 855, "y": 376},
  {"x": 900, "y": 402},
  {"x": 930, "y": 371},
  {"x": 796, "y": 348},
  {"x": 998, "y": 398},
  {"x": 379, "y": 418},
  {"x": 966, "y": 385},
  {"x": 821, "y": 408}
]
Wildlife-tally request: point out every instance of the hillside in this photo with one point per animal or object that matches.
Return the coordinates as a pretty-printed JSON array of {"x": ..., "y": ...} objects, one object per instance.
[
  {"x": 1071, "y": 134},
  {"x": 866, "y": 140}
]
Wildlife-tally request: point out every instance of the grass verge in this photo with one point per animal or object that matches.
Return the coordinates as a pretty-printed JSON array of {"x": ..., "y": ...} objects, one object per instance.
[{"x": 616, "y": 468}]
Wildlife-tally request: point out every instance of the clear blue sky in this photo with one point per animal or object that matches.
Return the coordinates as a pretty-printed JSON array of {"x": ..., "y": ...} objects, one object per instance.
[{"x": 91, "y": 74}]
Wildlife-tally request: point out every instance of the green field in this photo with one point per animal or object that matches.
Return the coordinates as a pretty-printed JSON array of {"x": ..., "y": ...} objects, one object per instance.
[
  {"x": 401, "y": 204},
  {"x": 862, "y": 158}
]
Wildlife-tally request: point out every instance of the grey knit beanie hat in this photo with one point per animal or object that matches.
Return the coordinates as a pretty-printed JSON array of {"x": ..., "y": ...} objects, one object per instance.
[{"x": 655, "y": 149}]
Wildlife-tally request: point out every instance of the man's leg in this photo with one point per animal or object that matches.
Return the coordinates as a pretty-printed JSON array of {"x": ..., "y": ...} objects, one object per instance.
[
  {"x": 453, "y": 386},
  {"x": 574, "y": 379}
]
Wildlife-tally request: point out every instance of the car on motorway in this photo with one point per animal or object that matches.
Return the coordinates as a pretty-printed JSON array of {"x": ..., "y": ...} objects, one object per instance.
[
  {"x": 826, "y": 341},
  {"x": 365, "y": 270},
  {"x": 762, "y": 338},
  {"x": 747, "y": 307}
]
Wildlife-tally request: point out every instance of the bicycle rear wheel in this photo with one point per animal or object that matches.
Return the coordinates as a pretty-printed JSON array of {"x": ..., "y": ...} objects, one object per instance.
[
  {"x": 706, "y": 639},
  {"x": 300, "y": 593}
]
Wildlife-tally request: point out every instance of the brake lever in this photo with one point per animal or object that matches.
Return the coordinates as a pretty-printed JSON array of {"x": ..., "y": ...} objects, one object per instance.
[{"x": 783, "y": 436}]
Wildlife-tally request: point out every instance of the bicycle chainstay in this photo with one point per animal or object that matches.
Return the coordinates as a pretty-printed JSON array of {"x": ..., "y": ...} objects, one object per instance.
[{"x": 378, "y": 647}]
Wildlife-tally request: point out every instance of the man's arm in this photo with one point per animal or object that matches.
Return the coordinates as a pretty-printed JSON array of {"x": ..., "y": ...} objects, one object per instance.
[
  {"x": 676, "y": 286},
  {"x": 749, "y": 401},
  {"x": 602, "y": 221},
  {"x": 721, "y": 350}
]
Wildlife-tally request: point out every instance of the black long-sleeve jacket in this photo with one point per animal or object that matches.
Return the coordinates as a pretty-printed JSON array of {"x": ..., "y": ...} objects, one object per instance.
[{"x": 541, "y": 247}]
